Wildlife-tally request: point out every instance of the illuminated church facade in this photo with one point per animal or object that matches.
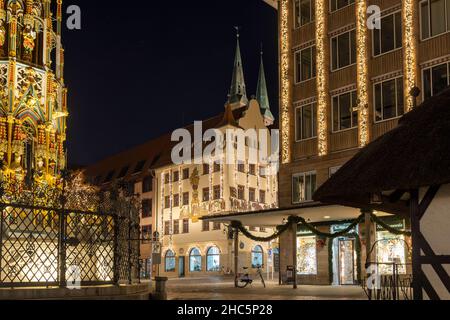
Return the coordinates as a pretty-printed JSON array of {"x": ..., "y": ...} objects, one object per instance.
[{"x": 33, "y": 96}]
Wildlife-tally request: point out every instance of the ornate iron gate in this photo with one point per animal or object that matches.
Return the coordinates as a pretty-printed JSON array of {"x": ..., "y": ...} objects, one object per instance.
[{"x": 53, "y": 237}]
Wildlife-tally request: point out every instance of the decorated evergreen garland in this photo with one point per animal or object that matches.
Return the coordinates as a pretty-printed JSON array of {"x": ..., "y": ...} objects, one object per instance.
[{"x": 299, "y": 220}]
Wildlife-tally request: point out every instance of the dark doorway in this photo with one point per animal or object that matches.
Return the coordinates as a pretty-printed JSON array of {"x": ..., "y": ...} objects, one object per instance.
[{"x": 181, "y": 267}]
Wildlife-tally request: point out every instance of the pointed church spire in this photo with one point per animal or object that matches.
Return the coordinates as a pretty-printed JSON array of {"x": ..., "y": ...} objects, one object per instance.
[
  {"x": 262, "y": 95},
  {"x": 238, "y": 94}
]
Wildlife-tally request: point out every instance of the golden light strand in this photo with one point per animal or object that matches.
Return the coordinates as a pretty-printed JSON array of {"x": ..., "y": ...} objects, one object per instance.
[
  {"x": 361, "y": 60},
  {"x": 322, "y": 77},
  {"x": 285, "y": 81},
  {"x": 410, "y": 51}
]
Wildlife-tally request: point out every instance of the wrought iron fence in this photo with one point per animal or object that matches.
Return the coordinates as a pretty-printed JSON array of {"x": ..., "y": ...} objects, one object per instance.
[
  {"x": 388, "y": 281},
  {"x": 67, "y": 234}
]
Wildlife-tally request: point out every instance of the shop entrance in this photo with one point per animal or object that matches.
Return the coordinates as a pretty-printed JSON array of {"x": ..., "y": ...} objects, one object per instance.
[{"x": 346, "y": 261}]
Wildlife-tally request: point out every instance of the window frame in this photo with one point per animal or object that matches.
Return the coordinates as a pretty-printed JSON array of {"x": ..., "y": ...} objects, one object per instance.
[
  {"x": 381, "y": 37},
  {"x": 339, "y": 109},
  {"x": 185, "y": 226},
  {"x": 349, "y": 3},
  {"x": 447, "y": 20},
  {"x": 312, "y": 15},
  {"x": 396, "y": 99},
  {"x": 150, "y": 207},
  {"x": 298, "y": 53},
  {"x": 350, "y": 50},
  {"x": 313, "y": 122},
  {"x": 304, "y": 174},
  {"x": 191, "y": 255},
  {"x": 431, "y": 78},
  {"x": 255, "y": 252},
  {"x": 172, "y": 256},
  {"x": 208, "y": 254}
]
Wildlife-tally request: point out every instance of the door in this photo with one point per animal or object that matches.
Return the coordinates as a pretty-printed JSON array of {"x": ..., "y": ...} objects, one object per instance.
[
  {"x": 347, "y": 262},
  {"x": 181, "y": 266}
]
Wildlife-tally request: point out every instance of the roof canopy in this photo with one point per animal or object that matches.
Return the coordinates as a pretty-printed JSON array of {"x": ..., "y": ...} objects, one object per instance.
[{"x": 415, "y": 154}]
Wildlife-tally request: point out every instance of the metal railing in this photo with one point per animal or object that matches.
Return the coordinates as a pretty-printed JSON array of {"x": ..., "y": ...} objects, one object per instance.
[
  {"x": 388, "y": 281},
  {"x": 53, "y": 237}
]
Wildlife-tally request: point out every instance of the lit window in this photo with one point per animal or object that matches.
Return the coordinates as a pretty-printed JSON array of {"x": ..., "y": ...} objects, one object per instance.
[
  {"x": 195, "y": 260},
  {"x": 176, "y": 226},
  {"x": 213, "y": 260},
  {"x": 305, "y": 64},
  {"x": 205, "y": 194},
  {"x": 389, "y": 99},
  {"x": 389, "y": 37},
  {"x": 343, "y": 50},
  {"x": 390, "y": 249},
  {"x": 344, "y": 114},
  {"x": 216, "y": 193},
  {"x": 306, "y": 122},
  {"x": 303, "y": 187},
  {"x": 306, "y": 256},
  {"x": 257, "y": 257},
  {"x": 170, "y": 261},
  {"x": 436, "y": 79},
  {"x": 146, "y": 234}
]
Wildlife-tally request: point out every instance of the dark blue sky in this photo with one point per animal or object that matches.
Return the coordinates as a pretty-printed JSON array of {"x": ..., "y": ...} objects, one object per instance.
[{"x": 135, "y": 72}]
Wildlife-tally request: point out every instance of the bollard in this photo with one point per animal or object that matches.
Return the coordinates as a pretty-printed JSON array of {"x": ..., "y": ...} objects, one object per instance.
[{"x": 160, "y": 292}]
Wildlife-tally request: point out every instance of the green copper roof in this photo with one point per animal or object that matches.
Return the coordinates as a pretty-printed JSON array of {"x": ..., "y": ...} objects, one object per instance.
[
  {"x": 261, "y": 93},
  {"x": 238, "y": 91}
]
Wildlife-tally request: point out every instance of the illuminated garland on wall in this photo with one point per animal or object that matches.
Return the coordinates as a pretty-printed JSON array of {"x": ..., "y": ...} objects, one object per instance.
[
  {"x": 322, "y": 76},
  {"x": 410, "y": 51},
  {"x": 285, "y": 81},
  {"x": 362, "y": 73},
  {"x": 163, "y": 204}
]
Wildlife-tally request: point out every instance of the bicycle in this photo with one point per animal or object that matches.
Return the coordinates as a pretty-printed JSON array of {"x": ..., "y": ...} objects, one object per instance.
[{"x": 245, "y": 280}]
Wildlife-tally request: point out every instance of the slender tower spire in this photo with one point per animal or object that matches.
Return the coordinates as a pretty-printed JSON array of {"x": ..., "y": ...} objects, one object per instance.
[
  {"x": 262, "y": 95},
  {"x": 238, "y": 94}
]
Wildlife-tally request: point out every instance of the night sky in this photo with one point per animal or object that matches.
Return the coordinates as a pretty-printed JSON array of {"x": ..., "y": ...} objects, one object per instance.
[{"x": 136, "y": 72}]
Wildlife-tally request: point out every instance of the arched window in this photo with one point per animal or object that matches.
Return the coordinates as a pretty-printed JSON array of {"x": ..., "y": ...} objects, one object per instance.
[
  {"x": 195, "y": 260},
  {"x": 170, "y": 261},
  {"x": 213, "y": 259},
  {"x": 257, "y": 257}
]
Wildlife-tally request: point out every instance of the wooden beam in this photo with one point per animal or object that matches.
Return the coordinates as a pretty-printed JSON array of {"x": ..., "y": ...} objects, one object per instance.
[
  {"x": 416, "y": 252},
  {"x": 427, "y": 200},
  {"x": 396, "y": 196}
]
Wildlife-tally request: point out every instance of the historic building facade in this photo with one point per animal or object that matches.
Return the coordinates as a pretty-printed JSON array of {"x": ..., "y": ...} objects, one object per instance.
[
  {"x": 175, "y": 197},
  {"x": 344, "y": 84},
  {"x": 33, "y": 106}
]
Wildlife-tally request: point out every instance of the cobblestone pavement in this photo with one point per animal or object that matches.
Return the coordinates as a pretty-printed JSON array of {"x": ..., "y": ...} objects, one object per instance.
[{"x": 217, "y": 288}]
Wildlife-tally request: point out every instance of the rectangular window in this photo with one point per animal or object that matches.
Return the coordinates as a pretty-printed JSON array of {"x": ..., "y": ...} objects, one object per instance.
[
  {"x": 166, "y": 178},
  {"x": 217, "y": 226},
  {"x": 305, "y": 64},
  {"x": 186, "y": 199},
  {"x": 262, "y": 229},
  {"x": 146, "y": 208},
  {"x": 389, "y": 37},
  {"x": 252, "y": 169},
  {"x": 435, "y": 17},
  {"x": 389, "y": 99},
  {"x": 216, "y": 167},
  {"x": 262, "y": 196},
  {"x": 339, "y": 4},
  {"x": 343, "y": 50},
  {"x": 241, "y": 167},
  {"x": 147, "y": 184},
  {"x": 307, "y": 255},
  {"x": 167, "y": 227},
  {"x": 205, "y": 194},
  {"x": 344, "y": 114},
  {"x": 167, "y": 202},
  {"x": 304, "y": 12},
  {"x": 216, "y": 192},
  {"x": 252, "y": 194},
  {"x": 306, "y": 122},
  {"x": 205, "y": 226},
  {"x": 186, "y": 174},
  {"x": 303, "y": 187},
  {"x": 241, "y": 192},
  {"x": 205, "y": 169},
  {"x": 176, "y": 226},
  {"x": 436, "y": 79},
  {"x": 176, "y": 200},
  {"x": 176, "y": 176},
  {"x": 186, "y": 226}
]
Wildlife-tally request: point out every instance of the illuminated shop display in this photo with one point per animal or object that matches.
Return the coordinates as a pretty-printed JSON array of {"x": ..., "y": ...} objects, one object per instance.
[
  {"x": 390, "y": 249},
  {"x": 306, "y": 255}
]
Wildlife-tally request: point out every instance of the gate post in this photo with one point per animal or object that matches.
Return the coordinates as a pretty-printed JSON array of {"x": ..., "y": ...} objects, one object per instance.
[
  {"x": 116, "y": 261},
  {"x": 62, "y": 249}
]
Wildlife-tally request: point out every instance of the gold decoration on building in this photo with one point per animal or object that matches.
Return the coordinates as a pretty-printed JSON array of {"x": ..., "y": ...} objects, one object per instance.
[
  {"x": 410, "y": 50},
  {"x": 285, "y": 95},
  {"x": 362, "y": 72},
  {"x": 322, "y": 76}
]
